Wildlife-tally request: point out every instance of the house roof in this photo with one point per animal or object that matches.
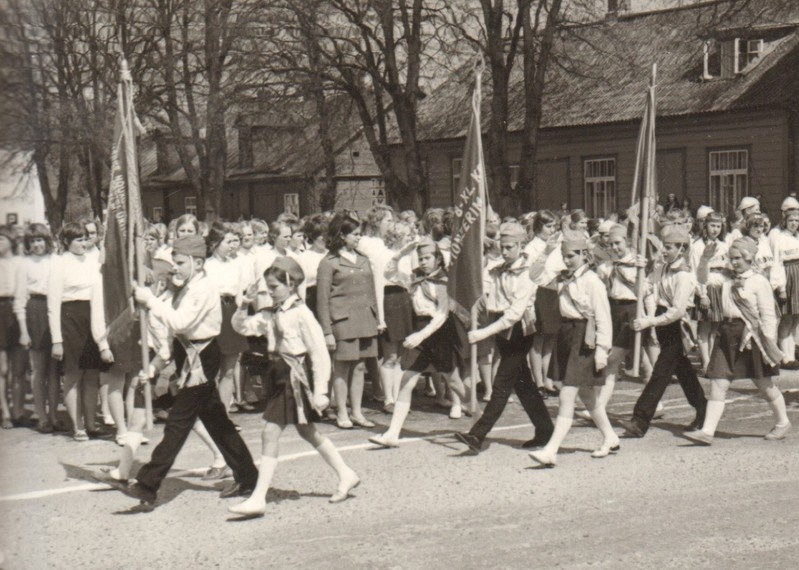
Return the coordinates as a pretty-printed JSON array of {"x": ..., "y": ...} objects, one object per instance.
[
  {"x": 613, "y": 60},
  {"x": 291, "y": 146}
]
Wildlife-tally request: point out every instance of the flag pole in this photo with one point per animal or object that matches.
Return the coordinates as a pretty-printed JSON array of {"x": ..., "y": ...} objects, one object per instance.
[
  {"x": 135, "y": 231},
  {"x": 484, "y": 197},
  {"x": 646, "y": 194}
]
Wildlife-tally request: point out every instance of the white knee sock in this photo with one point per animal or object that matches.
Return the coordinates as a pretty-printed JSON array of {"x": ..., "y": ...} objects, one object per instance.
[
  {"x": 712, "y": 416},
  {"x": 600, "y": 417},
  {"x": 780, "y": 412},
  {"x": 266, "y": 470},
  {"x": 562, "y": 426},
  {"x": 132, "y": 443},
  {"x": 396, "y": 382},
  {"x": 401, "y": 410},
  {"x": 386, "y": 380},
  {"x": 333, "y": 458}
]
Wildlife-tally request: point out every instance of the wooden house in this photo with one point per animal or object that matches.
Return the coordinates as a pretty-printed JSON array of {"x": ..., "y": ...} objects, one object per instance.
[{"x": 727, "y": 109}]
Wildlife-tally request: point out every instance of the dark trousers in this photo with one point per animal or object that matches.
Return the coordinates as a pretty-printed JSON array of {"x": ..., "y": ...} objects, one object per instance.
[
  {"x": 513, "y": 374},
  {"x": 672, "y": 360},
  {"x": 191, "y": 403}
]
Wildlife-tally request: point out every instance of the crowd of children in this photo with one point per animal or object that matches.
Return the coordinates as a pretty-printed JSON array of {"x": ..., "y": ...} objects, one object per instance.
[{"x": 297, "y": 316}]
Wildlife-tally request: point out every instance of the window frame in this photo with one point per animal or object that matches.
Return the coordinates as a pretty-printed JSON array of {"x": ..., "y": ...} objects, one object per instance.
[
  {"x": 589, "y": 198},
  {"x": 716, "y": 202}
]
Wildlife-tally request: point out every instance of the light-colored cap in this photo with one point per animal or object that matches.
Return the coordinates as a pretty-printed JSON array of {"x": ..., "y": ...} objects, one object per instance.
[
  {"x": 748, "y": 202},
  {"x": 617, "y": 230},
  {"x": 426, "y": 245},
  {"x": 790, "y": 203},
  {"x": 573, "y": 241},
  {"x": 512, "y": 231},
  {"x": 675, "y": 233},
  {"x": 745, "y": 244},
  {"x": 605, "y": 226},
  {"x": 703, "y": 211}
]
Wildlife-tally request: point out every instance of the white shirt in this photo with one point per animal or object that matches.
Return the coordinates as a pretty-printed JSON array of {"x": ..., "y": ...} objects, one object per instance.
[
  {"x": 227, "y": 275},
  {"x": 585, "y": 296},
  {"x": 511, "y": 292},
  {"x": 785, "y": 247},
  {"x": 9, "y": 270},
  {"x": 619, "y": 277},
  {"x": 265, "y": 256},
  {"x": 309, "y": 262},
  {"x": 764, "y": 262},
  {"x": 33, "y": 276},
  {"x": 291, "y": 330},
  {"x": 71, "y": 279},
  {"x": 672, "y": 288},
  {"x": 757, "y": 290},
  {"x": 716, "y": 263},
  {"x": 195, "y": 311},
  {"x": 545, "y": 269},
  {"x": 375, "y": 250},
  {"x": 246, "y": 258}
]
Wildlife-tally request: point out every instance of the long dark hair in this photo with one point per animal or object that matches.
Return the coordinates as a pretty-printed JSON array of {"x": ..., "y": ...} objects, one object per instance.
[{"x": 342, "y": 225}]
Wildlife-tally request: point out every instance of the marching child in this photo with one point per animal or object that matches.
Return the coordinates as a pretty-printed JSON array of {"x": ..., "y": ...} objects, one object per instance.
[
  {"x": 673, "y": 286},
  {"x": 747, "y": 344},
  {"x": 300, "y": 379},
  {"x": 582, "y": 348},
  {"x": 430, "y": 348},
  {"x": 510, "y": 305}
]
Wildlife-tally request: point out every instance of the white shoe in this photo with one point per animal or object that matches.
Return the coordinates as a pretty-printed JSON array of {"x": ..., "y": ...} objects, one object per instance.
[
  {"x": 249, "y": 508},
  {"x": 544, "y": 458},
  {"x": 584, "y": 415},
  {"x": 384, "y": 441},
  {"x": 606, "y": 449},
  {"x": 778, "y": 432},
  {"x": 455, "y": 412},
  {"x": 344, "y": 487}
]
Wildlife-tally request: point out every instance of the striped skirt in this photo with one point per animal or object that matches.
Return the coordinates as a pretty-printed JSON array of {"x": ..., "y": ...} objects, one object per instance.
[{"x": 791, "y": 306}]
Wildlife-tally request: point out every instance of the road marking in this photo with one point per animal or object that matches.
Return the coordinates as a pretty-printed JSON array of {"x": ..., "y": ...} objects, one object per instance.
[{"x": 198, "y": 471}]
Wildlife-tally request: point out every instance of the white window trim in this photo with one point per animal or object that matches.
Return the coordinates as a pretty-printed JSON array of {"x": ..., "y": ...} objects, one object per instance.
[
  {"x": 457, "y": 167},
  {"x": 160, "y": 210},
  {"x": 513, "y": 175},
  {"x": 589, "y": 198},
  {"x": 291, "y": 203},
  {"x": 734, "y": 172},
  {"x": 736, "y": 48}
]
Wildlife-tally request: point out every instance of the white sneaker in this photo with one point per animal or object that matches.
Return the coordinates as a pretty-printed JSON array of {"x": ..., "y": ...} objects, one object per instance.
[{"x": 455, "y": 412}]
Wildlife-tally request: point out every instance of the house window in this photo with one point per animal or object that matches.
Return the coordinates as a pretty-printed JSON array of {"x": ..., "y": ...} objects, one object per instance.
[
  {"x": 729, "y": 178},
  {"x": 158, "y": 214},
  {"x": 514, "y": 175},
  {"x": 291, "y": 203},
  {"x": 746, "y": 52},
  {"x": 190, "y": 205},
  {"x": 457, "y": 166},
  {"x": 600, "y": 186}
]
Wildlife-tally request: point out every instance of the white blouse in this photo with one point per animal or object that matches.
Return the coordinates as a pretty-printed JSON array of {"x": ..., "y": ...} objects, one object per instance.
[
  {"x": 32, "y": 279},
  {"x": 71, "y": 279}
]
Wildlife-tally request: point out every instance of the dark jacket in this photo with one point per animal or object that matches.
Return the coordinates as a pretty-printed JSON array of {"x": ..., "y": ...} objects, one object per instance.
[{"x": 345, "y": 297}]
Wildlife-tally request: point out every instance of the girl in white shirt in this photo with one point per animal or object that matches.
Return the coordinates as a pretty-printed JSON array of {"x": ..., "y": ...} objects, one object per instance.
[
  {"x": 709, "y": 305},
  {"x": 747, "y": 346},
  {"x": 30, "y": 306},
  {"x": 785, "y": 246},
  {"x": 225, "y": 273},
  {"x": 72, "y": 276},
  {"x": 11, "y": 354},
  {"x": 300, "y": 377}
]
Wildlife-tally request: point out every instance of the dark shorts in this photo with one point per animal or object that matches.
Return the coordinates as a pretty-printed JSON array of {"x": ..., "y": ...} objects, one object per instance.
[
  {"x": 281, "y": 406},
  {"x": 355, "y": 349},
  {"x": 622, "y": 314},
  {"x": 398, "y": 311},
  {"x": 80, "y": 350},
  {"x": 729, "y": 362},
  {"x": 9, "y": 327},
  {"x": 230, "y": 342},
  {"x": 38, "y": 325},
  {"x": 573, "y": 362},
  {"x": 436, "y": 353}
]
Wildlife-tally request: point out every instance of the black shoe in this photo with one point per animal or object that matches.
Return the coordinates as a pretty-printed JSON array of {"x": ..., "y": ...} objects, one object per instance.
[
  {"x": 792, "y": 365},
  {"x": 543, "y": 392},
  {"x": 247, "y": 408},
  {"x": 102, "y": 432},
  {"x": 474, "y": 442},
  {"x": 538, "y": 441},
  {"x": 236, "y": 490},
  {"x": 551, "y": 392},
  {"x": 133, "y": 489},
  {"x": 698, "y": 423},
  {"x": 631, "y": 429}
]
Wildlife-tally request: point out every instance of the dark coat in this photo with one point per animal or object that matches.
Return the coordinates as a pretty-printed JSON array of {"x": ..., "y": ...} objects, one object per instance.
[{"x": 345, "y": 297}]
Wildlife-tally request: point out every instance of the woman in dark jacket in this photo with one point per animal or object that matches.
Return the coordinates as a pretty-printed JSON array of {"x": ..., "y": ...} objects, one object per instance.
[{"x": 347, "y": 311}]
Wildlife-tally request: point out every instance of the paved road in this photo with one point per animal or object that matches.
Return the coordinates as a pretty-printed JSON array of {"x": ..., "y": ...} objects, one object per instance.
[{"x": 660, "y": 503}]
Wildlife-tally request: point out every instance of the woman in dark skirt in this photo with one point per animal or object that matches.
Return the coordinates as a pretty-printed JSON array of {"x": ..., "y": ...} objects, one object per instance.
[
  {"x": 431, "y": 348},
  {"x": 347, "y": 310},
  {"x": 315, "y": 234},
  {"x": 298, "y": 380},
  {"x": 397, "y": 308},
  {"x": 785, "y": 246},
  {"x": 72, "y": 277},
  {"x": 12, "y": 355},
  {"x": 230, "y": 281},
  {"x": 747, "y": 343},
  {"x": 581, "y": 350},
  {"x": 708, "y": 305},
  {"x": 30, "y": 304}
]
